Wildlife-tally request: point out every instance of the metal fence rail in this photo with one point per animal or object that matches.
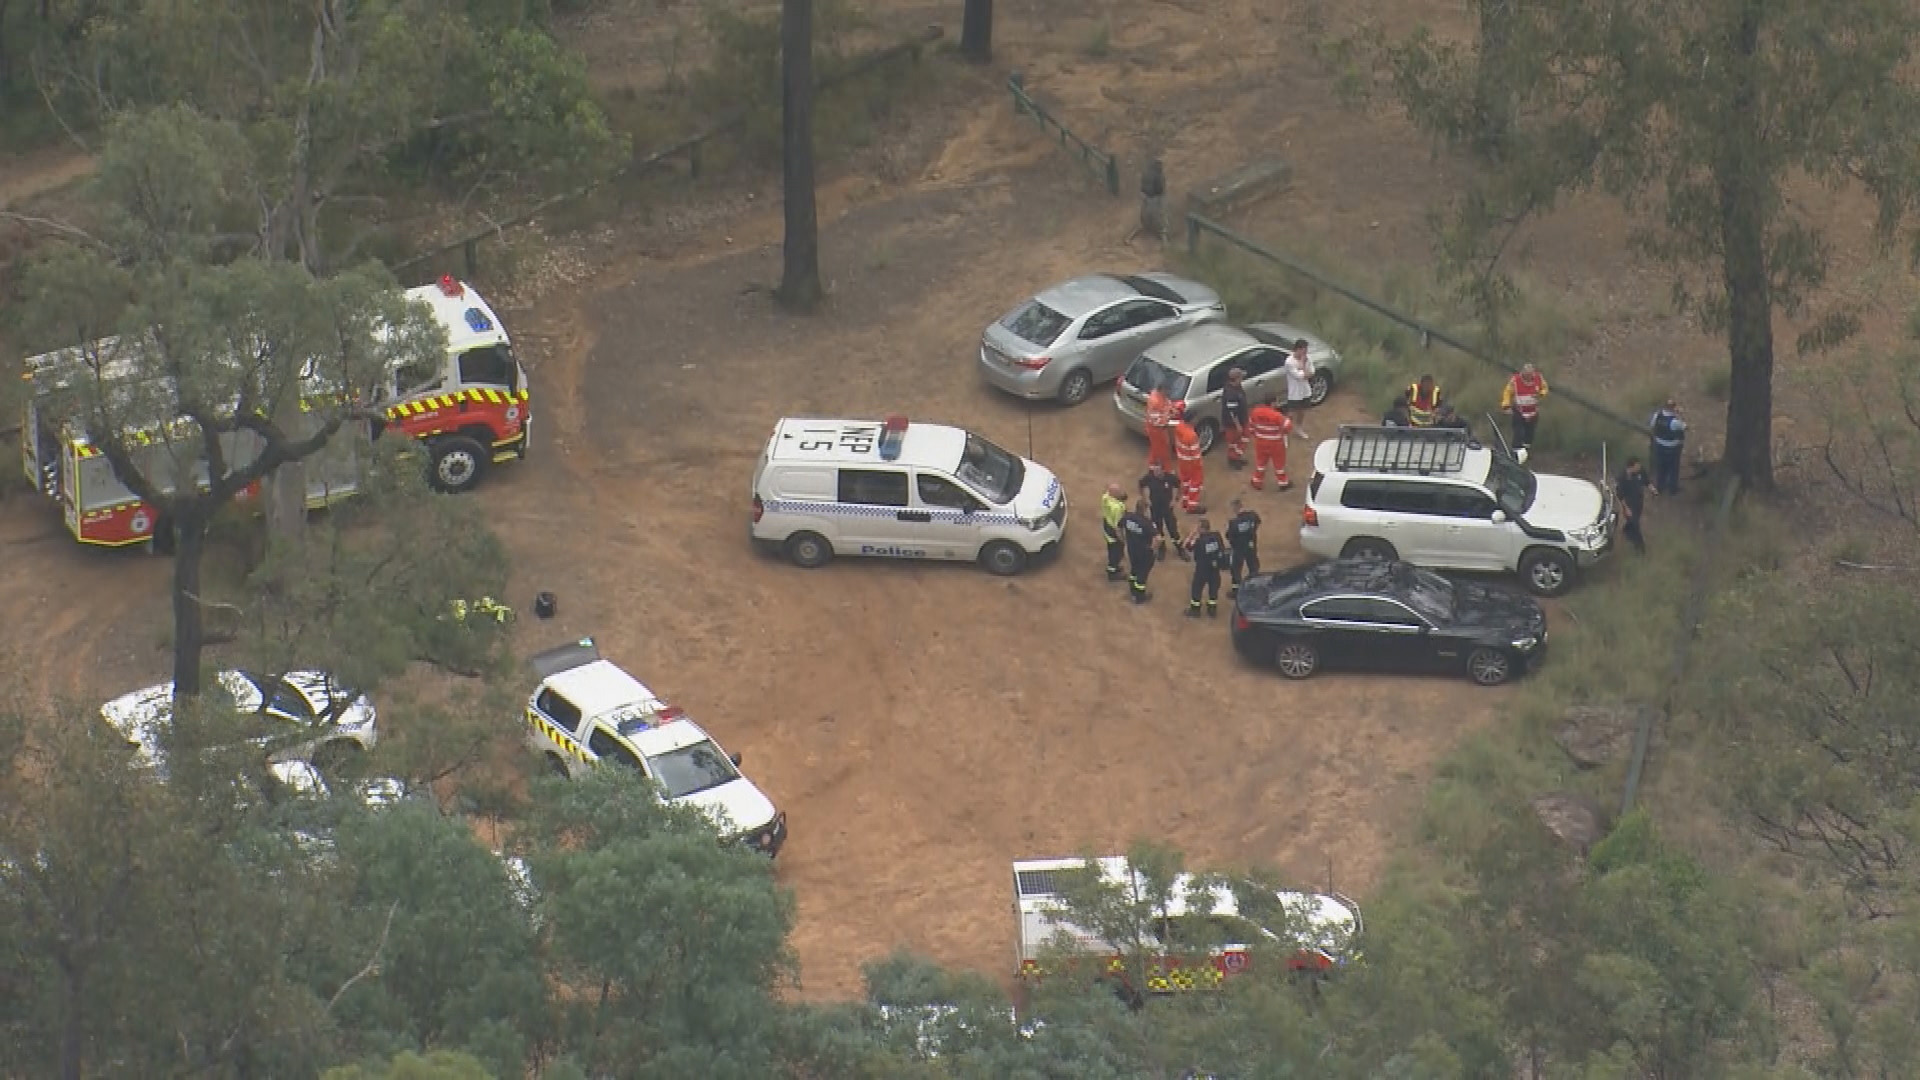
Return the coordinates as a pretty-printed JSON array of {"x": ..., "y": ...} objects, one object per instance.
[
  {"x": 1198, "y": 225},
  {"x": 688, "y": 147},
  {"x": 1690, "y": 617},
  {"x": 1104, "y": 166}
]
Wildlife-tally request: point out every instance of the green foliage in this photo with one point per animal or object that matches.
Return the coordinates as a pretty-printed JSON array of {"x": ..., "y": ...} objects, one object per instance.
[
  {"x": 681, "y": 935},
  {"x": 440, "y": 1065}
]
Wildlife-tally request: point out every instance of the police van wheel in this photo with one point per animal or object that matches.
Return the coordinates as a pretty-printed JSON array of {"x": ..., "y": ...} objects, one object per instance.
[
  {"x": 559, "y": 767},
  {"x": 1076, "y": 386},
  {"x": 1547, "y": 572},
  {"x": 456, "y": 464},
  {"x": 809, "y": 550},
  {"x": 1003, "y": 558}
]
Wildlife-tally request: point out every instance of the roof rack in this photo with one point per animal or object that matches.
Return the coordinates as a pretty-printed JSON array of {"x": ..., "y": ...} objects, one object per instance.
[{"x": 1402, "y": 450}]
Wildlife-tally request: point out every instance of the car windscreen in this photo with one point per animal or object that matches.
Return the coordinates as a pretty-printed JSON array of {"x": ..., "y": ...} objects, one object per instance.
[
  {"x": 691, "y": 770},
  {"x": 1147, "y": 375},
  {"x": 1036, "y": 323},
  {"x": 1430, "y": 594},
  {"x": 990, "y": 470},
  {"x": 1513, "y": 485}
]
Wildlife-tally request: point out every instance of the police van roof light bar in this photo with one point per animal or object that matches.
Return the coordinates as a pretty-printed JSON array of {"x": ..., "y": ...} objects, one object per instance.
[
  {"x": 892, "y": 437},
  {"x": 450, "y": 287}
]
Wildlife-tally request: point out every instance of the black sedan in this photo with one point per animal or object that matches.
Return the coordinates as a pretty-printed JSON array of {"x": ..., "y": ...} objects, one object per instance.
[{"x": 1379, "y": 615}]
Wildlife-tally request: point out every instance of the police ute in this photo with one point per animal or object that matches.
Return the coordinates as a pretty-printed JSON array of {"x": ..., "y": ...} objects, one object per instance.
[
  {"x": 901, "y": 490},
  {"x": 587, "y": 711}
]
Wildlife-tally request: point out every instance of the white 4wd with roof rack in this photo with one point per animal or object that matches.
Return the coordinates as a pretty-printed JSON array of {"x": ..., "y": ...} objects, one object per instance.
[
  {"x": 586, "y": 711},
  {"x": 1434, "y": 497}
]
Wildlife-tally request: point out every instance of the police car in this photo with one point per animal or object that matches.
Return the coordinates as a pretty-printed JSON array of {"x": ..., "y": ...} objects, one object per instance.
[
  {"x": 900, "y": 490},
  {"x": 586, "y": 710}
]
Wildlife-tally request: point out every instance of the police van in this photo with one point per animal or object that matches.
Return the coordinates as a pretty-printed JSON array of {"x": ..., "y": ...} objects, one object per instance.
[{"x": 900, "y": 490}]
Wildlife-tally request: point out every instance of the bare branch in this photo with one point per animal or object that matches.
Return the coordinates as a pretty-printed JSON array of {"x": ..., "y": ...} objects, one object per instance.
[
  {"x": 373, "y": 961},
  {"x": 71, "y": 232}
]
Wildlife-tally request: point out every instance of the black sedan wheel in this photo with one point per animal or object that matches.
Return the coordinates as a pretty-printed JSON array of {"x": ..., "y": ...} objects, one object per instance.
[
  {"x": 1489, "y": 667},
  {"x": 1296, "y": 659}
]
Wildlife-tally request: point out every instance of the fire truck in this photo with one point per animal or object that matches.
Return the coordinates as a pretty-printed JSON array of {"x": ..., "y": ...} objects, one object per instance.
[{"x": 468, "y": 409}]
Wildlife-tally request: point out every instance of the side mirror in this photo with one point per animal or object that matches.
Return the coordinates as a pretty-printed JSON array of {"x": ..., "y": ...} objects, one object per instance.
[
  {"x": 1499, "y": 517},
  {"x": 735, "y": 758}
]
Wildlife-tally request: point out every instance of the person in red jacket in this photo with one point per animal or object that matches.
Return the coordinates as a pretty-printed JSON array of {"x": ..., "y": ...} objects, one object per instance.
[
  {"x": 1521, "y": 400},
  {"x": 1160, "y": 418},
  {"x": 1186, "y": 453},
  {"x": 1269, "y": 428}
]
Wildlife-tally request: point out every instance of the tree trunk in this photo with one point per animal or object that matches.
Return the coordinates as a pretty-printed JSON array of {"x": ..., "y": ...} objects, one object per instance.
[
  {"x": 1743, "y": 239},
  {"x": 1492, "y": 102},
  {"x": 800, "y": 275},
  {"x": 189, "y": 633},
  {"x": 286, "y": 509},
  {"x": 976, "y": 32}
]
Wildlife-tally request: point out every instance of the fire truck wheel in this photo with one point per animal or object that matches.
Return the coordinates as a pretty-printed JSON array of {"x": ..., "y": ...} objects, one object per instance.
[{"x": 458, "y": 463}]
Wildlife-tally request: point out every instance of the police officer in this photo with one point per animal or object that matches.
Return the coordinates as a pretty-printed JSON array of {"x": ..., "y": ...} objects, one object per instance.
[
  {"x": 1113, "y": 506},
  {"x": 1137, "y": 531},
  {"x": 1243, "y": 545},
  {"x": 1209, "y": 558},
  {"x": 1233, "y": 418},
  {"x": 1631, "y": 487},
  {"x": 1669, "y": 438},
  {"x": 1159, "y": 486}
]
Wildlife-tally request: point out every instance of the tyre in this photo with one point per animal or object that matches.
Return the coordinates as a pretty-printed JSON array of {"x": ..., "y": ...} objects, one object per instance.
[
  {"x": 1076, "y": 386},
  {"x": 1319, "y": 385},
  {"x": 1003, "y": 558},
  {"x": 1208, "y": 431},
  {"x": 339, "y": 757},
  {"x": 1546, "y": 572},
  {"x": 809, "y": 550},
  {"x": 526, "y": 438},
  {"x": 455, "y": 464},
  {"x": 1489, "y": 667},
  {"x": 558, "y": 766},
  {"x": 1367, "y": 547},
  {"x": 1296, "y": 659}
]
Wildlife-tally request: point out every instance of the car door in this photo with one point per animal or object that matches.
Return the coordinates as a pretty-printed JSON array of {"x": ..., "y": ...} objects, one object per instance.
[
  {"x": 1102, "y": 343},
  {"x": 1130, "y": 327},
  {"x": 953, "y": 523},
  {"x": 557, "y": 721},
  {"x": 1473, "y": 539},
  {"x": 1405, "y": 641},
  {"x": 610, "y": 750},
  {"x": 1422, "y": 527},
  {"x": 1265, "y": 373},
  {"x": 1341, "y": 631},
  {"x": 874, "y": 512}
]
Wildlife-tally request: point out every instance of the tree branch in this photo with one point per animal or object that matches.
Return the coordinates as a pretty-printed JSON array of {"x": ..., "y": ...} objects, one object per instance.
[{"x": 373, "y": 962}]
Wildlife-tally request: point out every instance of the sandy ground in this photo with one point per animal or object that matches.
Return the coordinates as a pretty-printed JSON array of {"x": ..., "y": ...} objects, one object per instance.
[{"x": 925, "y": 725}]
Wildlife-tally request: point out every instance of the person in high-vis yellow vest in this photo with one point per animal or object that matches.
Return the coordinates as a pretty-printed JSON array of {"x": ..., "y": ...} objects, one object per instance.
[
  {"x": 1423, "y": 401},
  {"x": 1113, "y": 506}
]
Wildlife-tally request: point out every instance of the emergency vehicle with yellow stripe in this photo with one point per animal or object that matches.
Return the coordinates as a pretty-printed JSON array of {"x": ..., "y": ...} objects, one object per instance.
[
  {"x": 587, "y": 710},
  {"x": 469, "y": 409},
  {"x": 1206, "y": 931}
]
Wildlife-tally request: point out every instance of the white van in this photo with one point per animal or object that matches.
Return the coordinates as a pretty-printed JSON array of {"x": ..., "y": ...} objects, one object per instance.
[{"x": 898, "y": 490}]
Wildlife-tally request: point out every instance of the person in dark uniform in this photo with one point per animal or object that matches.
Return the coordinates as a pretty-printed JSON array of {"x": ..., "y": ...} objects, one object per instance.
[
  {"x": 1160, "y": 487},
  {"x": 1631, "y": 487},
  {"x": 1397, "y": 415},
  {"x": 1233, "y": 418},
  {"x": 1137, "y": 530},
  {"x": 1209, "y": 558},
  {"x": 1243, "y": 545}
]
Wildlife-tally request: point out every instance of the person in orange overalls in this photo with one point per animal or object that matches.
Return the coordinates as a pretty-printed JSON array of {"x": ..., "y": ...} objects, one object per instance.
[
  {"x": 1159, "y": 422},
  {"x": 1186, "y": 452},
  {"x": 1270, "y": 428}
]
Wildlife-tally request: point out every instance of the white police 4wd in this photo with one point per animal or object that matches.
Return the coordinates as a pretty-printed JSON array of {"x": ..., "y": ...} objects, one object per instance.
[
  {"x": 899, "y": 490},
  {"x": 1434, "y": 497},
  {"x": 586, "y": 711}
]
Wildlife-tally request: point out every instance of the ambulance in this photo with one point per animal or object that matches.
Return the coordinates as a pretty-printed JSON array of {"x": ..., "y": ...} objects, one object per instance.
[{"x": 902, "y": 490}]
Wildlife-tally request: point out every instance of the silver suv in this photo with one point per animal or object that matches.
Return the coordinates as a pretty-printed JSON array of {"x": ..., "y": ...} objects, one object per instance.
[{"x": 1434, "y": 497}]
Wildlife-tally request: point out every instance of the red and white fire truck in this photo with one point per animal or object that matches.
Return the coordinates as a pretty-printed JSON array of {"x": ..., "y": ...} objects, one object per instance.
[{"x": 469, "y": 409}]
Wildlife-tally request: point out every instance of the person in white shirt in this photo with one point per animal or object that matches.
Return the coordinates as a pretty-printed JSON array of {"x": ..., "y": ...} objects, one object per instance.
[{"x": 1299, "y": 385}]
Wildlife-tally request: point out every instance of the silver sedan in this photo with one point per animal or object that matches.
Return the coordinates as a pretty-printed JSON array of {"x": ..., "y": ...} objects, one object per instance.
[{"x": 1082, "y": 333}]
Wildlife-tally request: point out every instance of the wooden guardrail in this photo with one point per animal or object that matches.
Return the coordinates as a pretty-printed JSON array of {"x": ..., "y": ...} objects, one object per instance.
[{"x": 1104, "y": 166}]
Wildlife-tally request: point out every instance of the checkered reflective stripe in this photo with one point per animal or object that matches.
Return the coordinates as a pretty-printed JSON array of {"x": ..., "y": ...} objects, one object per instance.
[{"x": 856, "y": 510}]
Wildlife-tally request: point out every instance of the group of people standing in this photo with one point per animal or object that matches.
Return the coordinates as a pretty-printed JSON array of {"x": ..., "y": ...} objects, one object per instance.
[{"x": 1138, "y": 537}]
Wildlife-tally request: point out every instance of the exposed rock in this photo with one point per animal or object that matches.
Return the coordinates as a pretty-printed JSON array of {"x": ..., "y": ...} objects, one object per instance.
[
  {"x": 1594, "y": 735},
  {"x": 1576, "y": 820}
]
